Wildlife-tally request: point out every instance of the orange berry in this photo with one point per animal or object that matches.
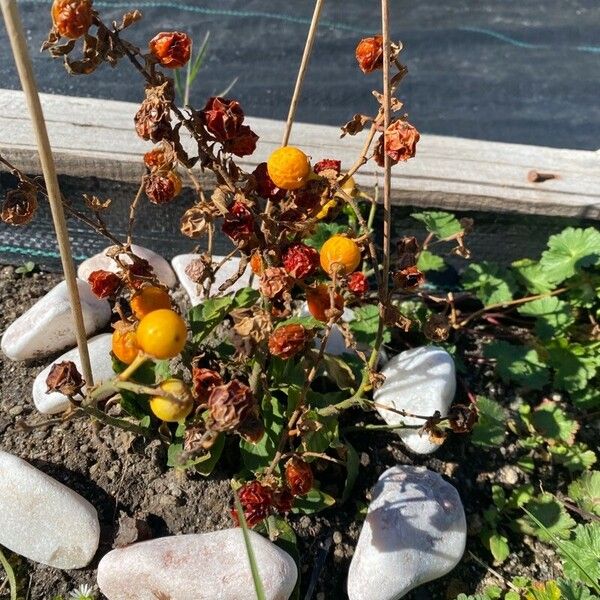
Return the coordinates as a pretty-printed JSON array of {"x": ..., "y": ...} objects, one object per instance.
[
  {"x": 340, "y": 254},
  {"x": 289, "y": 168},
  {"x": 148, "y": 299},
  {"x": 72, "y": 18},
  {"x": 162, "y": 333},
  {"x": 124, "y": 344},
  {"x": 256, "y": 264},
  {"x": 319, "y": 302}
]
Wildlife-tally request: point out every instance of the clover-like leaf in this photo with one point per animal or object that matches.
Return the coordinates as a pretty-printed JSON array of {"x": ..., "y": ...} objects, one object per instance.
[
  {"x": 551, "y": 421},
  {"x": 428, "y": 261},
  {"x": 490, "y": 429},
  {"x": 441, "y": 224},
  {"x": 519, "y": 364},
  {"x": 577, "y": 457},
  {"x": 555, "y": 520},
  {"x": 553, "y": 316},
  {"x": 575, "y": 364},
  {"x": 490, "y": 283},
  {"x": 531, "y": 274}
]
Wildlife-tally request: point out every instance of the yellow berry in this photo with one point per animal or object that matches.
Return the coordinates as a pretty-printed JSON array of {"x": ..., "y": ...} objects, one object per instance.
[
  {"x": 162, "y": 333},
  {"x": 149, "y": 299},
  {"x": 326, "y": 209},
  {"x": 125, "y": 345},
  {"x": 175, "y": 407},
  {"x": 289, "y": 168},
  {"x": 340, "y": 254}
]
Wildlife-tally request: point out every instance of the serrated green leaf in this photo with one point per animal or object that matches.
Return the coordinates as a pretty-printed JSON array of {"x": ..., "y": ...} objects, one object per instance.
[
  {"x": 585, "y": 491},
  {"x": 544, "y": 591},
  {"x": 574, "y": 364},
  {"x": 324, "y": 434},
  {"x": 322, "y": 232},
  {"x": 490, "y": 429},
  {"x": 589, "y": 398},
  {"x": 365, "y": 323},
  {"x": 556, "y": 521},
  {"x": 553, "y": 316},
  {"x": 441, "y": 224},
  {"x": 490, "y": 283},
  {"x": 570, "y": 251},
  {"x": 577, "y": 457},
  {"x": 532, "y": 276},
  {"x": 518, "y": 364},
  {"x": 581, "y": 555},
  {"x": 552, "y": 422},
  {"x": 574, "y": 591},
  {"x": 430, "y": 262}
]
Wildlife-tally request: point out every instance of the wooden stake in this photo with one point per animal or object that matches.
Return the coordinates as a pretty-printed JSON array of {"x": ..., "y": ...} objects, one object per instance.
[
  {"x": 308, "y": 47},
  {"x": 14, "y": 27},
  {"x": 387, "y": 167}
]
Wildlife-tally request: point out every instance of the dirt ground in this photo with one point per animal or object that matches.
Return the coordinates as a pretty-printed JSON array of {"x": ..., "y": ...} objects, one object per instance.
[{"x": 123, "y": 477}]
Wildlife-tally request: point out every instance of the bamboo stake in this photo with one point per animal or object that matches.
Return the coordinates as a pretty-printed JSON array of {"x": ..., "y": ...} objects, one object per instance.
[
  {"x": 387, "y": 180},
  {"x": 14, "y": 28},
  {"x": 308, "y": 47}
]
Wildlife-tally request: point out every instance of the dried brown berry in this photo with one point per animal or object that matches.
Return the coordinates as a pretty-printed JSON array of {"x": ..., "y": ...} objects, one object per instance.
[
  {"x": 223, "y": 118},
  {"x": 153, "y": 119},
  {"x": 172, "y": 49},
  {"x": 300, "y": 260},
  {"x": 400, "y": 143},
  {"x": 230, "y": 405},
  {"x": 288, "y": 340},
  {"x": 299, "y": 476},
  {"x": 203, "y": 382},
  {"x": 239, "y": 223},
  {"x": 437, "y": 328},
  {"x": 283, "y": 500},
  {"x": 243, "y": 144},
  {"x": 358, "y": 283},
  {"x": 369, "y": 53},
  {"x": 409, "y": 278},
  {"x": 64, "y": 378},
  {"x": 264, "y": 184},
  {"x": 408, "y": 248},
  {"x": 72, "y": 18},
  {"x": 256, "y": 500},
  {"x": 104, "y": 283},
  {"x": 462, "y": 418},
  {"x": 19, "y": 207},
  {"x": 161, "y": 158},
  {"x": 252, "y": 428},
  {"x": 161, "y": 189}
]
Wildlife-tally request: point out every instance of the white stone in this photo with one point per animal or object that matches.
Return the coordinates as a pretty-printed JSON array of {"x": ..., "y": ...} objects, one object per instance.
[
  {"x": 415, "y": 531},
  {"x": 207, "y": 566},
  {"x": 100, "y": 261},
  {"x": 229, "y": 269},
  {"x": 42, "y": 519},
  {"x": 419, "y": 381},
  {"x": 99, "y": 348},
  {"x": 48, "y": 326}
]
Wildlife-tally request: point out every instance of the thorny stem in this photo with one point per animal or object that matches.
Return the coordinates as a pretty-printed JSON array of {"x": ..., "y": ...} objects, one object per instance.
[{"x": 101, "y": 416}]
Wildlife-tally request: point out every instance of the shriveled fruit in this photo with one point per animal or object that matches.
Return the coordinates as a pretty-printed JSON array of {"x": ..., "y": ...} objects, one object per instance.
[
  {"x": 149, "y": 299},
  {"x": 340, "y": 254},
  {"x": 256, "y": 263},
  {"x": 124, "y": 344},
  {"x": 299, "y": 476},
  {"x": 72, "y": 18},
  {"x": 171, "y": 48},
  {"x": 289, "y": 168},
  {"x": 177, "y": 405},
  {"x": 162, "y": 333},
  {"x": 319, "y": 302}
]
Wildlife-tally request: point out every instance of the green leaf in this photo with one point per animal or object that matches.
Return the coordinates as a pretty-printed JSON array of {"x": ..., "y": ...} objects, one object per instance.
[
  {"x": 585, "y": 491},
  {"x": 570, "y": 251},
  {"x": 490, "y": 429},
  {"x": 577, "y": 457},
  {"x": 211, "y": 458},
  {"x": 575, "y": 364},
  {"x": 545, "y": 591},
  {"x": 430, "y": 262},
  {"x": 162, "y": 370},
  {"x": 490, "y": 283},
  {"x": 339, "y": 370},
  {"x": 441, "y": 224},
  {"x": 313, "y": 502},
  {"x": 520, "y": 496},
  {"x": 498, "y": 496},
  {"x": 498, "y": 545},
  {"x": 322, "y": 232},
  {"x": 553, "y": 316},
  {"x": 137, "y": 405},
  {"x": 245, "y": 298},
  {"x": 571, "y": 590},
  {"x": 323, "y": 434},
  {"x": 258, "y": 456},
  {"x": 551, "y": 421},
  {"x": 531, "y": 274},
  {"x": 352, "y": 467},
  {"x": 556, "y": 521},
  {"x": 589, "y": 398},
  {"x": 306, "y": 322},
  {"x": 581, "y": 555},
  {"x": 518, "y": 364},
  {"x": 365, "y": 324}
]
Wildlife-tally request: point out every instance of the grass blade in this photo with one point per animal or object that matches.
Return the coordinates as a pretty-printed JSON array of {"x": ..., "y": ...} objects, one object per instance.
[
  {"x": 228, "y": 88},
  {"x": 10, "y": 574},
  {"x": 258, "y": 585}
]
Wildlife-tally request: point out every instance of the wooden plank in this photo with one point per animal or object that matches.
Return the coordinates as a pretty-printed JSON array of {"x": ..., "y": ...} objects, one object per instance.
[{"x": 94, "y": 137}]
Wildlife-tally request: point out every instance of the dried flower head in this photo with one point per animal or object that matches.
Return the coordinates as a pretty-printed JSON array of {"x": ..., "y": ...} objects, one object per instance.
[
  {"x": 256, "y": 500},
  {"x": 408, "y": 248},
  {"x": 161, "y": 189},
  {"x": 300, "y": 260},
  {"x": 283, "y": 500},
  {"x": 252, "y": 428},
  {"x": 409, "y": 278},
  {"x": 400, "y": 143},
  {"x": 153, "y": 118},
  {"x": 299, "y": 476},
  {"x": 239, "y": 223},
  {"x": 288, "y": 340},
  {"x": 243, "y": 144},
  {"x": 358, "y": 283},
  {"x": 172, "y": 49},
  {"x": 223, "y": 118},
  {"x": 264, "y": 184},
  {"x": 104, "y": 284},
  {"x": 229, "y": 405},
  {"x": 72, "y": 18},
  {"x": 64, "y": 378},
  {"x": 328, "y": 167},
  {"x": 203, "y": 382},
  {"x": 161, "y": 159},
  {"x": 274, "y": 282},
  {"x": 369, "y": 53},
  {"x": 437, "y": 328},
  {"x": 19, "y": 206}
]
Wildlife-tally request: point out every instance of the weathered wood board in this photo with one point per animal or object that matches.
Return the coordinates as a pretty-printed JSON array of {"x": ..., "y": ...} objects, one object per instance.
[{"x": 94, "y": 137}]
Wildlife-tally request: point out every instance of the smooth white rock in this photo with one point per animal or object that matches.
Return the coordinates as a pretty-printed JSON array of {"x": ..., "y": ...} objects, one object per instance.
[
  {"x": 99, "y": 348},
  {"x": 42, "y": 519},
  {"x": 230, "y": 268},
  {"x": 161, "y": 267},
  {"x": 415, "y": 531},
  {"x": 420, "y": 381},
  {"x": 48, "y": 326},
  {"x": 206, "y": 566}
]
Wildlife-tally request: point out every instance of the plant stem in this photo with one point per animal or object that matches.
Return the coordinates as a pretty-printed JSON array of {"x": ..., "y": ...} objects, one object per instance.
[
  {"x": 133, "y": 209},
  {"x": 101, "y": 416}
]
